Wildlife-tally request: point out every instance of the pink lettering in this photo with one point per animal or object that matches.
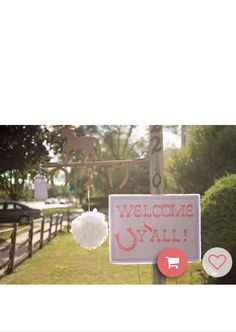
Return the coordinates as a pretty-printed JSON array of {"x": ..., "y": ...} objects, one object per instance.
[
  {"x": 164, "y": 238},
  {"x": 189, "y": 210},
  {"x": 137, "y": 212},
  {"x": 177, "y": 212},
  {"x": 155, "y": 236},
  {"x": 141, "y": 234},
  {"x": 167, "y": 207},
  {"x": 124, "y": 212},
  {"x": 174, "y": 238},
  {"x": 155, "y": 214},
  {"x": 145, "y": 211},
  {"x": 185, "y": 234}
]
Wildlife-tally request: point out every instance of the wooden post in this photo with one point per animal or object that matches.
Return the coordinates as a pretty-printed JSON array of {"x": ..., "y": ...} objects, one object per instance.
[
  {"x": 57, "y": 219},
  {"x": 30, "y": 244},
  {"x": 50, "y": 227},
  {"x": 10, "y": 267},
  {"x": 62, "y": 216},
  {"x": 68, "y": 219},
  {"x": 42, "y": 233},
  {"x": 156, "y": 178}
]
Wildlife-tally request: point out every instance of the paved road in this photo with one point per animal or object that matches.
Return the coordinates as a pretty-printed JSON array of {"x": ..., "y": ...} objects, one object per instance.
[{"x": 41, "y": 205}]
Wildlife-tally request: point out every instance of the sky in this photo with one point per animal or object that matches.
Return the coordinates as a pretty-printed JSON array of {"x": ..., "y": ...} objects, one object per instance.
[{"x": 171, "y": 139}]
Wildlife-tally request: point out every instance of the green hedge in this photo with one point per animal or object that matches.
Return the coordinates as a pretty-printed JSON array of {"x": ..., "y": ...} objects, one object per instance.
[{"x": 219, "y": 216}]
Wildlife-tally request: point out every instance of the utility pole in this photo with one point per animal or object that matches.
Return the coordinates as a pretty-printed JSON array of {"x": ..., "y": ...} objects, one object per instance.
[{"x": 156, "y": 176}]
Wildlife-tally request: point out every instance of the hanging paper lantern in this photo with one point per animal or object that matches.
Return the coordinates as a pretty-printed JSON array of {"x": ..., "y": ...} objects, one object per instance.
[
  {"x": 90, "y": 229},
  {"x": 40, "y": 187}
]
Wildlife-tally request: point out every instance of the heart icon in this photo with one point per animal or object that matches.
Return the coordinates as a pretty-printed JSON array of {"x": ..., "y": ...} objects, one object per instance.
[{"x": 217, "y": 260}]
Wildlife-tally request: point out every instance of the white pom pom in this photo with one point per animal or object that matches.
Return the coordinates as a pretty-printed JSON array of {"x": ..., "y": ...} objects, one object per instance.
[{"x": 90, "y": 229}]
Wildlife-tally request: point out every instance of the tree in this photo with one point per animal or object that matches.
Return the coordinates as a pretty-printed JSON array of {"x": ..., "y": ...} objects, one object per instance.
[
  {"x": 209, "y": 154},
  {"x": 22, "y": 149}
]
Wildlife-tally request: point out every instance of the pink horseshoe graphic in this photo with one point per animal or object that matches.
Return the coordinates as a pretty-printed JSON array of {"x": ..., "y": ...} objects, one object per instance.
[{"x": 133, "y": 244}]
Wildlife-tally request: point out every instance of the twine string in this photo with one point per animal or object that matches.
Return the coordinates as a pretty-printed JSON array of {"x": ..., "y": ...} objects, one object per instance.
[
  {"x": 88, "y": 197},
  {"x": 88, "y": 188}
]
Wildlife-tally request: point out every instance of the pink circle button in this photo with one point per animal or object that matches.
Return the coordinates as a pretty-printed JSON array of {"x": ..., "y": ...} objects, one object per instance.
[{"x": 172, "y": 262}]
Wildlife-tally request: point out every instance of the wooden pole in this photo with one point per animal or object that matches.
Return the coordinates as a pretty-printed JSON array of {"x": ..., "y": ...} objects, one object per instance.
[
  {"x": 12, "y": 249},
  {"x": 57, "y": 220},
  {"x": 156, "y": 178},
  {"x": 50, "y": 227},
  {"x": 31, "y": 234},
  {"x": 68, "y": 219},
  {"x": 61, "y": 221},
  {"x": 42, "y": 233}
]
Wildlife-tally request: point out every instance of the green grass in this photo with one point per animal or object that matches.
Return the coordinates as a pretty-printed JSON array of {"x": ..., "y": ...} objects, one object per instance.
[
  {"x": 49, "y": 211},
  {"x": 62, "y": 261}
]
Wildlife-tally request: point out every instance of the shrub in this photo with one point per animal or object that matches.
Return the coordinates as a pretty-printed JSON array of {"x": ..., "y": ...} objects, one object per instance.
[{"x": 219, "y": 216}]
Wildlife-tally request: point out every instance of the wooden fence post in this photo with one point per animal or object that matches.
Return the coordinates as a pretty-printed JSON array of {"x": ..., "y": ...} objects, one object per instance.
[
  {"x": 10, "y": 267},
  {"x": 41, "y": 234},
  {"x": 30, "y": 244},
  {"x": 68, "y": 220},
  {"x": 50, "y": 227},
  {"x": 57, "y": 219},
  {"x": 62, "y": 216},
  {"x": 156, "y": 178}
]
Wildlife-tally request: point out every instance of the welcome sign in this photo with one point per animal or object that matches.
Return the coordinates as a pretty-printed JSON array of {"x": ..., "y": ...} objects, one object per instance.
[{"x": 141, "y": 226}]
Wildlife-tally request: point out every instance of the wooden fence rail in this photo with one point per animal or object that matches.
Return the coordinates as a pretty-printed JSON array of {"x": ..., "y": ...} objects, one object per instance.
[{"x": 18, "y": 244}]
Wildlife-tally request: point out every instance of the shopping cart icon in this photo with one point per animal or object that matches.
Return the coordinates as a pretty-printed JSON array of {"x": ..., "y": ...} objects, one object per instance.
[{"x": 173, "y": 262}]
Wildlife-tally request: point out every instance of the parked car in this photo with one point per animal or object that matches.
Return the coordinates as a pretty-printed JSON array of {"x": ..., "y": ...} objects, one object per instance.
[
  {"x": 48, "y": 201},
  {"x": 63, "y": 201},
  {"x": 51, "y": 200},
  {"x": 72, "y": 200},
  {"x": 11, "y": 211},
  {"x": 54, "y": 200}
]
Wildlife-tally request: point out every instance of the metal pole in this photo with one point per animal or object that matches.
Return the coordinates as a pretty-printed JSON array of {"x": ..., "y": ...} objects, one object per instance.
[
  {"x": 156, "y": 178},
  {"x": 97, "y": 163}
]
